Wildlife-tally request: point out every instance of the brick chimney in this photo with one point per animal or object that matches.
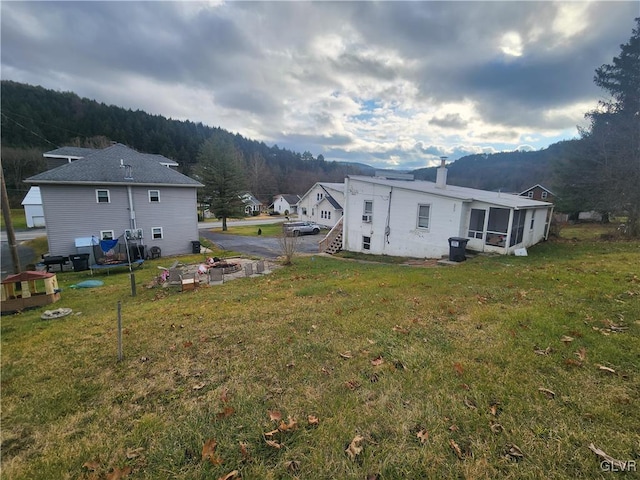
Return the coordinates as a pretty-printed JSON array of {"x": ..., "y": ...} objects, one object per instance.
[{"x": 441, "y": 175}]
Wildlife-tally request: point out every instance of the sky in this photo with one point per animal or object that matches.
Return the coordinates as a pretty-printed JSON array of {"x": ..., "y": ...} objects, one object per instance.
[{"x": 390, "y": 84}]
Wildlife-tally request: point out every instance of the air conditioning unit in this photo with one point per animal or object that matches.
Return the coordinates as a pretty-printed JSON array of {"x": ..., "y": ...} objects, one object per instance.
[{"x": 366, "y": 218}]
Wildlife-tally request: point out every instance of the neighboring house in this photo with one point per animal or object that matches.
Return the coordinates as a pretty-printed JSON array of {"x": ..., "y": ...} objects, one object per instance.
[
  {"x": 60, "y": 156},
  {"x": 252, "y": 206},
  {"x": 416, "y": 218},
  {"x": 285, "y": 204},
  {"x": 538, "y": 192},
  {"x": 114, "y": 189},
  {"x": 322, "y": 204},
  {"x": 33, "y": 210}
]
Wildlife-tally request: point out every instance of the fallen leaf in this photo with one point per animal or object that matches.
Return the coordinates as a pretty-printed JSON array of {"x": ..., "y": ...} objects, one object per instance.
[
  {"x": 224, "y": 396},
  {"x": 547, "y": 392},
  {"x": 92, "y": 465},
  {"x": 546, "y": 351},
  {"x": 581, "y": 354},
  {"x": 355, "y": 447},
  {"x": 513, "y": 452},
  {"x": 199, "y": 386},
  {"x": 227, "y": 412},
  {"x": 423, "y": 436},
  {"x": 572, "y": 363},
  {"x": 285, "y": 427},
  {"x": 495, "y": 427},
  {"x": 187, "y": 344},
  {"x": 346, "y": 354},
  {"x": 209, "y": 452},
  {"x": 291, "y": 364},
  {"x": 458, "y": 368},
  {"x": 244, "y": 451},
  {"x": 399, "y": 329},
  {"x": 453, "y": 428},
  {"x": 456, "y": 449},
  {"x": 274, "y": 415},
  {"x": 612, "y": 461},
  {"x": 231, "y": 475},
  {"x": 606, "y": 369},
  {"x": 134, "y": 452},
  {"x": 271, "y": 433},
  {"x": 313, "y": 420},
  {"x": 495, "y": 409},
  {"x": 377, "y": 361},
  {"x": 352, "y": 384},
  {"x": 293, "y": 466},
  {"x": 469, "y": 403},
  {"x": 118, "y": 473},
  {"x": 566, "y": 339},
  {"x": 274, "y": 444}
]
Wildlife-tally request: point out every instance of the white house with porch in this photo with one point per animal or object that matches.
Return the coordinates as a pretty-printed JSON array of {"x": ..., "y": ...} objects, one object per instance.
[{"x": 414, "y": 218}]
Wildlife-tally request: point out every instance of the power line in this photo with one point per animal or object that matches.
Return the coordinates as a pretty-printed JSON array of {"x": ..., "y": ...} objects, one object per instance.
[{"x": 28, "y": 129}]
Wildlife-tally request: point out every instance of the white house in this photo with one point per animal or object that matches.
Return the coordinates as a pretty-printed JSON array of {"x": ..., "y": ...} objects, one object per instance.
[
  {"x": 403, "y": 217},
  {"x": 285, "y": 204},
  {"x": 33, "y": 210},
  {"x": 252, "y": 206},
  {"x": 322, "y": 204}
]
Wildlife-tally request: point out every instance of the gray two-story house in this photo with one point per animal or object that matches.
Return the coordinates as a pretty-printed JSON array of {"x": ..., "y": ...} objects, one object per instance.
[{"x": 118, "y": 189}]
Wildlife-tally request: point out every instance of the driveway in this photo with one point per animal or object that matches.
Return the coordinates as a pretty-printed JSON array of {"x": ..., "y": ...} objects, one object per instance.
[{"x": 263, "y": 247}]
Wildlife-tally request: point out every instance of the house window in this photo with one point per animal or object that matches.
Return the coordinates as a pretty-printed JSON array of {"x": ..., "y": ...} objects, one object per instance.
[
  {"x": 329, "y": 214},
  {"x": 517, "y": 229},
  {"x": 497, "y": 227},
  {"x": 544, "y": 195},
  {"x": 367, "y": 212},
  {"x": 530, "y": 194},
  {"x": 476, "y": 223},
  {"x": 106, "y": 235},
  {"x": 304, "y": 211},
  {"x": 318, "y": 196},
  {"x": 423, "y": 216},
  {"x": 533, "y": 217},
  {"x": 102, "y": 196},
  {"x": 154, "y": 196},
  {"x": 156, "y": 233},
  {"x": 366, "y": 243}
]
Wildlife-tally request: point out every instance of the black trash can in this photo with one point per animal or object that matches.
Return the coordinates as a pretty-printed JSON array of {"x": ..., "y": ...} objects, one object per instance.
[
  {"x": 80, "y": 262},
  {"x": 457, "y": 247},
  {"x": 195, "y": 246}
]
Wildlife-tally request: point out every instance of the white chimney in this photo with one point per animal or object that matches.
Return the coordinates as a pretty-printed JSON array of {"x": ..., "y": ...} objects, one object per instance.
[{"x": 441, "y": 175}]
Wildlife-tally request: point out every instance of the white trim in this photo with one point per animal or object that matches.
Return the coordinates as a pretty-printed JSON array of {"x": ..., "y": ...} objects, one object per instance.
[
  {"x": 150, "y": 198},
  {"x": 420, "y": 205},
  {"x": 98, "y": 190},
  {"x": 111, "y": 236},
  {"x": 153, "y": 233}
]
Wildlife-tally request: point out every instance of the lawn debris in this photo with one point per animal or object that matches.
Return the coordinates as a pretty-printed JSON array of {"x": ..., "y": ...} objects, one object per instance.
[
  {"x": 274, "y": 444},
  {"x": 233, "y": 474},
  {"x": 399, "y": 329},
  {"x": 293, "y": 466},
  {"x": 470, "y": 403},
  {"x": 376, "y": 362},
  {"x": 118, "y": 473},
  {"x": 92, "y": 465},
  {"x": 567, "y": 339},
  {"x": 607, "y": 458},
  {"x": 456, "y": 449},
  {"x": 606, "y": 369},
  {"x": 346, "y": 355},
  {"x": 547, "y": 392},
  {"x": 581, "y": 354},
  {"x": 209, "y": 452},
  {"x": 274, "y": 415},
  {"x": 355, "y": 447},
  {"x": 313, "y": 420},
  {"x": 422, "y": 435},
  {"x": 134, "y": 452},
  {"x": 496, "y": 427},
  {"x": 494, "y": 408},
  {"x": 352, "y": 384},
  {"x": 546, "y": 351},
  {"x": 286, "y": 427},
  {"x": 199, "y": 386},
  {"x": 513, "y": 452}
]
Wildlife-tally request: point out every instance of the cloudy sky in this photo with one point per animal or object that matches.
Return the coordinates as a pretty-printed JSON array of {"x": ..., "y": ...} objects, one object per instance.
[{"x": 391, "y": 84}]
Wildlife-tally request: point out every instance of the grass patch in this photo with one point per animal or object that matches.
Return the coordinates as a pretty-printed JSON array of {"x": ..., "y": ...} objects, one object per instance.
[
  {"x": 266, "y": 230},
  {"x": 369, "y": 349},
  {"x": 18, "y": 219}
]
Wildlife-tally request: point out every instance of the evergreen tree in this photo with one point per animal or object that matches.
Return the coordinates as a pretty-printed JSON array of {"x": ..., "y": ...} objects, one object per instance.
[
  {"x": 220, "y": 170},
  {"x": 603, "y": 172}
]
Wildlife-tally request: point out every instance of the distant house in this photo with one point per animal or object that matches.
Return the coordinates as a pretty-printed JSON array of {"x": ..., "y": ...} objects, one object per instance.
[
  {"x": 538, "y": 192},
  {"x": 252, "y": 206},
  {"x": 33, "y": 211},
  {"x": 322, "y": 204},
  {"x": 285, "y": 204},
  {"x": 400, "y": 217},
  {"x": 115, "y": 189}
]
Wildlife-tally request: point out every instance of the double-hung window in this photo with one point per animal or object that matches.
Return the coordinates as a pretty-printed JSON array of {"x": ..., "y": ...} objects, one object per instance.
[
  {"x": 154, "y": 196},
  {"x": 156, "y": 233},
  {"x": 102, "y": 196},
  {"x": 423, "y": 216}
]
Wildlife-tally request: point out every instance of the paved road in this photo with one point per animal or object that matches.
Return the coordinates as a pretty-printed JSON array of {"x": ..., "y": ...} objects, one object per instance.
[{"x": 265, "y": 247}]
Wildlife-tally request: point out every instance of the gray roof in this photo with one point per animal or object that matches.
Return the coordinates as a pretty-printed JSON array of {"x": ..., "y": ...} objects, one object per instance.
[
  {"x": 291, "y": 199},
  {"x": 103, "y": 167},
  {"x": 66, "y": 152},
  {"x": 460, "y": 193}
]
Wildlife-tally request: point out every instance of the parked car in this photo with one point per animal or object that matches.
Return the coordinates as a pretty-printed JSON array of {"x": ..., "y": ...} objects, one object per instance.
[{"x": 301, "y": 228}]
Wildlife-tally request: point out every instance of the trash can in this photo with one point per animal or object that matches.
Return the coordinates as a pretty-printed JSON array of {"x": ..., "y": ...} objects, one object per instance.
[
  {"x": 457, "y": 246},
  {"x": 80, "y": 261},
  {"x": 195, "y": 246}
]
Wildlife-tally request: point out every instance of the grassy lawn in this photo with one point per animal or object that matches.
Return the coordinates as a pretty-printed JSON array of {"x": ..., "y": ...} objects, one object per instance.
[
  {"x": 266, "y": 230},
  {"x": 18, "y": 219},
  {"x": 499, "y": 367}
]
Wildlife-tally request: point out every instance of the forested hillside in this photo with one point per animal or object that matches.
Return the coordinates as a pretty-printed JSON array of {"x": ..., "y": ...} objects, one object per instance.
[{"x": 35, "y": 120}]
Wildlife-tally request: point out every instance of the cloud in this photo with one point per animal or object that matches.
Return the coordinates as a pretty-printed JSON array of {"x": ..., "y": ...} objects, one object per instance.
[{"x": 391, "y": 83}]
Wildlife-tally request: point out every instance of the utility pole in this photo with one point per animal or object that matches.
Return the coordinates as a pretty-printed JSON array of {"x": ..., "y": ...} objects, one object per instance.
[{"x": 6, "y": 213}]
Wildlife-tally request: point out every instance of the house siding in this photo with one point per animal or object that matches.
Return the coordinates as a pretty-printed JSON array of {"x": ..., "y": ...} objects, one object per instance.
[
  {"x": 72, "y": 212},
  {"x": 313, "y": 206}
]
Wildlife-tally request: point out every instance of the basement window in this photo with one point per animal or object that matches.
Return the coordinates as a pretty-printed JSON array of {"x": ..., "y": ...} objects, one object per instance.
[{"x": 366, "y": 243}]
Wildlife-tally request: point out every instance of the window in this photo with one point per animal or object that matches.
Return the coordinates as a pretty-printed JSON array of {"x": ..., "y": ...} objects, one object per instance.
[
  {"x": 106, "y": 235},
  {"x": 423, "y": 216},
  {"x": 530, "y": 194},
  {"x": 156, "y": 233},
  {"x": 304, "y": 211},
  {"x": 102, "y": 196},
  {"x": 533, "y": 217},
  {"x": 544, "y": 195},
  {"x": 318, "y": 196},
  {"x": 476, "y": 223},
  {"x": 497, "y": 227},
  {"x": 154, "y": 196},
  {"x": 329, "y": 214},
  {"x": 367, "y": 211},
  {"x": 366, "y": 243}
]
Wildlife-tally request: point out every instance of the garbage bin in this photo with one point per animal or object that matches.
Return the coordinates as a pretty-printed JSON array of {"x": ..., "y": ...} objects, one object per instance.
[
  {"x": 195, "y": 246},
  {"x": 80, "y": 262},
  {"x": 457, "y": 246}
]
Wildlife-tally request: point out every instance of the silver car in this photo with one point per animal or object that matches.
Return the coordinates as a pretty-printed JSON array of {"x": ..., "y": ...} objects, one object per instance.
[{"x": 301, "y": 228}]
